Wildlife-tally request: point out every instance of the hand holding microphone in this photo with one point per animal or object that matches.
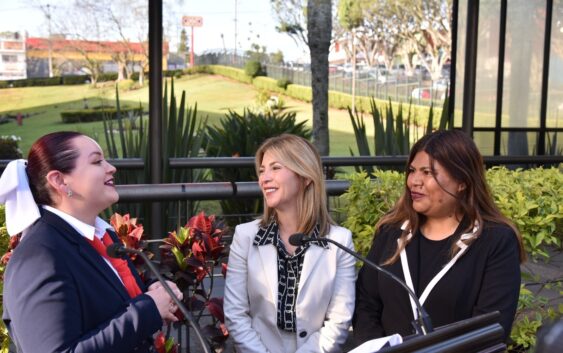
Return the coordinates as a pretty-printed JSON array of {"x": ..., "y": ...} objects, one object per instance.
[
  {"x": 117, "y": 250},
  {"x": 165, "y": 304}
]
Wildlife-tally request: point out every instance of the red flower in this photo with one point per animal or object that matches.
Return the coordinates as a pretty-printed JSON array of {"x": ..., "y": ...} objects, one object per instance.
[{"x": 163, "y": 345}]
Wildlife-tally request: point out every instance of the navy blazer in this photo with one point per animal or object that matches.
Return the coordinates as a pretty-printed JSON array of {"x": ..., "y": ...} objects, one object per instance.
[{"x": 61, "y": 296}]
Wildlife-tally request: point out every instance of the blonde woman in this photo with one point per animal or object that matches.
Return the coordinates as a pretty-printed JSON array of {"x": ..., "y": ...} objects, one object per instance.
[{"x": 282, "y": 298}]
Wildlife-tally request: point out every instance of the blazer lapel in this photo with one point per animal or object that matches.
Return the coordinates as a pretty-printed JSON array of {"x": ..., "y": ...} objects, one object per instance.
[
  {"x": 87, "y": 252},
  {"x": 269, "y": 261},
  {"x": 312, "y": 257}
]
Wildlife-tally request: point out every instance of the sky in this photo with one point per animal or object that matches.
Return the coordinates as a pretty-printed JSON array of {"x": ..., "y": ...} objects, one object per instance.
[{"x": 255, "y": 23}]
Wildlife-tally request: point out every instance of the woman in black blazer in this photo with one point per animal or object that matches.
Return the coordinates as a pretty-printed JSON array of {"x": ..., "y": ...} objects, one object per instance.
[
  {"x": 446, "y": 239},
  {"x": 60, "y": 293}
]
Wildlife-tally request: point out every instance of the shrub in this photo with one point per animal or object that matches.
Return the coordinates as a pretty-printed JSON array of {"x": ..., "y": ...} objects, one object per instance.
[
  {"x": 37, "y": 81},
  {"x": 367, "y": 200},
  {"x": 4, "y": 84},
  {"x": 231, "y": 72},
  {"x": 282, "y": 83},
  {"x": 300, "y": 92},
  {"x": 531, "y": 199},
  {"x": 253, "y": 68},
  {"x": 76, "y": 79},
  {"x": 107, "y": 76},
  {"x": 95, "y": 114},
  {"x": 198, "y": 69},
  {"x": 9, "y": 148},
  {"x": 267, "y": 83},
  {"x": 125, "y": 85},
  {"x": 172, "y": 73},
  {"x": 240, "y": 135}
]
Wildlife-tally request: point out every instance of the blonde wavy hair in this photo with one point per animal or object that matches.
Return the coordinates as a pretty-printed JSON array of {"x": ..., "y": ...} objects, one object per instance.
[{"x": 301, "y": 157}]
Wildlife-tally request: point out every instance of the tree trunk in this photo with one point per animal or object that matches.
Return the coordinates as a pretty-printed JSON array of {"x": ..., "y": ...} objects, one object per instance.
[{"x": 319, "y": 32}]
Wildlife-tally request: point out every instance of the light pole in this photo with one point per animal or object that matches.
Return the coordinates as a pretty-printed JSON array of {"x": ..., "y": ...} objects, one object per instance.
[
  {"x": 50, "y": 44},
  {"x": 236, "y": 10}
]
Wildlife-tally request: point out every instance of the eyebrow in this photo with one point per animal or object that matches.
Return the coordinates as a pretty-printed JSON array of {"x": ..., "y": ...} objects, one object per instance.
[{"x": 95, "y": 153}]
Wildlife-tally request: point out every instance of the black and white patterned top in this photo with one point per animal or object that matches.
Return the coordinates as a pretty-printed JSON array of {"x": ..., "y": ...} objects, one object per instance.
[{"x": 289, "y": 271}]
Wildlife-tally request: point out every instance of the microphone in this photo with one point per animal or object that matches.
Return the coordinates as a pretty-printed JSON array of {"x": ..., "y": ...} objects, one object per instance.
[
  {"x": 422, "y": 325},
  {"x": 118, "y": 251}
]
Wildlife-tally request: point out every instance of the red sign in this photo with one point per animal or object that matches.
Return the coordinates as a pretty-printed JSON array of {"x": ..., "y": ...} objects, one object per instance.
[{"x": 192, "y": 21}]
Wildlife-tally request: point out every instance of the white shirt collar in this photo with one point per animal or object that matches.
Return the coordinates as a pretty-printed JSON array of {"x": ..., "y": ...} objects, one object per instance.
[{"x": 82, "y": 228}]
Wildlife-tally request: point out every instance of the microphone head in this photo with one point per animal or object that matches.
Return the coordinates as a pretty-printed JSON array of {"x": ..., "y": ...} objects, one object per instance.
[
  {"x": 297, "y": 239},
  {"x": 116, "y": 251}
]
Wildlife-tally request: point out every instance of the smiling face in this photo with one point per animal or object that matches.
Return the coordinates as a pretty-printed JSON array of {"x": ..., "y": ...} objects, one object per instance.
[
  {"x": 280, "y": 186},
  {"x": 432, "y": 189},
  {"x": 91, "y": 180}
]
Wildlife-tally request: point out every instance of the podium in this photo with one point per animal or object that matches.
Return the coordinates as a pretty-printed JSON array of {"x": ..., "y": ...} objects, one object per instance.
[{"x": 481, "y": 333}]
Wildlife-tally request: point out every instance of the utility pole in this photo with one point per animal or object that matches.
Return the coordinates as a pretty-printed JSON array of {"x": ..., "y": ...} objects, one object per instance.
[
  {"x": 236, "y": 10},
  {"x": 50, "y": 44}
]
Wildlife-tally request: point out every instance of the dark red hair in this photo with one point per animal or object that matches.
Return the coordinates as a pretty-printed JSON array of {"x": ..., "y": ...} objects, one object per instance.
[{"x": 53, "y": 151}]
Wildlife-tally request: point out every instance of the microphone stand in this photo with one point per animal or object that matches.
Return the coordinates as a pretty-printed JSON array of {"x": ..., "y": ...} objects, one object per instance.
[
  {"x": 422, "y": 325},
  {"x": 118, "y": 251}
]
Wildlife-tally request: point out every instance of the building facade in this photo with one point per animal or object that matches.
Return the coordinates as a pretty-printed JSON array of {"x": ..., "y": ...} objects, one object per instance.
[{"x": 12, "y": 56}]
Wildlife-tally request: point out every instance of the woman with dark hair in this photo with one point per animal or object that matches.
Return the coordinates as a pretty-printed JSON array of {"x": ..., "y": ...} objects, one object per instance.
[
  {"x": 282, "y": 298},
  {"x": 446, "y": 239},
  {"x": 62, "y": 293}
]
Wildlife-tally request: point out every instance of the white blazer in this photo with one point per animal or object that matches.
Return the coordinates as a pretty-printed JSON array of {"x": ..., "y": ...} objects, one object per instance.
[{"x": 325, "y": 298}]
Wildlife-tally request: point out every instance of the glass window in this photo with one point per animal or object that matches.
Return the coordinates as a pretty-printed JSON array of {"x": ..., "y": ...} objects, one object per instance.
[
  {"x": 525, "y": 30},
  {"x": 555, "y": 85},
  {"x": 9, "y": 58},
  {"x": 487, "y": 63}
]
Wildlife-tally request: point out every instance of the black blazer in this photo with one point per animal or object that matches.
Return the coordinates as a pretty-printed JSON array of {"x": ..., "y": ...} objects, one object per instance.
[
  {"x": 485, "y": 279},
  {"x": 61, "y": 296}
]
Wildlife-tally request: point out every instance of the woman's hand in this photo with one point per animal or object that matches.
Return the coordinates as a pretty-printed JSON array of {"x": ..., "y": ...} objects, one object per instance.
[{"x": 165, "y": 304}]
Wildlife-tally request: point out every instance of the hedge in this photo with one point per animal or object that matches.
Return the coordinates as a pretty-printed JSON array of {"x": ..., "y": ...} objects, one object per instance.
[
  {"x": 267, "y": 83},
  {"x": 76, "y": 79},
  {"x": 300, "y": 92},
  {"x": 231, "y": 72},
  {"x": 95, "y": 114},
  {"x": 198, "y": 69}
]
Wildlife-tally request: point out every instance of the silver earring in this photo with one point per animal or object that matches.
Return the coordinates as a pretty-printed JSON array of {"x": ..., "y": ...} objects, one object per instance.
[{"x": 69, "y": 193}]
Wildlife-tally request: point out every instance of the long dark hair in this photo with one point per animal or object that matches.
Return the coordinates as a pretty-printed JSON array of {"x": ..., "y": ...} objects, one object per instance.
[
  {"x": 53, "y": 151},
  {"x": 458, "y": 155}
]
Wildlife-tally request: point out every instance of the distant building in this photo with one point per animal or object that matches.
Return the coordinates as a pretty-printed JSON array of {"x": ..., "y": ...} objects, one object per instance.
[
  {"x": 69, "y": 56},
  {"x": 12, "y": 56}
]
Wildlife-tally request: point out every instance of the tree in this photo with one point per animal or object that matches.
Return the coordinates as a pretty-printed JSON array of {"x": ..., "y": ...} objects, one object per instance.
[
  {"x": 310, "y": 22},
  {"x": 276, "y": 58},
  {"x": 319, "y": 34},
  {"x": 425, "y": 25},
  {"x": 183, "y": 46}
]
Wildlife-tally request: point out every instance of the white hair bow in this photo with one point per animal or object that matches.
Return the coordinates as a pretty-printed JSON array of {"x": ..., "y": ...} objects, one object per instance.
[{"x": 21, "y": 209}]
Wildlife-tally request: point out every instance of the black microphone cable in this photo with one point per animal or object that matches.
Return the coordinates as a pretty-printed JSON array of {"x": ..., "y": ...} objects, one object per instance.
[
  {"x": 117, "y": 250},
  {"x": 422, "y": 325}
]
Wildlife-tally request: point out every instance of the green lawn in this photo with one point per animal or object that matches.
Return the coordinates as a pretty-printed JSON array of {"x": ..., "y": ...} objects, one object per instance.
[{"x": 214, "y": 96}]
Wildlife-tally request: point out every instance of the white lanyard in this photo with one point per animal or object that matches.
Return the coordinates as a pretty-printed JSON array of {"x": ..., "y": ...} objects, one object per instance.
[{"x": 406, "y": 272}]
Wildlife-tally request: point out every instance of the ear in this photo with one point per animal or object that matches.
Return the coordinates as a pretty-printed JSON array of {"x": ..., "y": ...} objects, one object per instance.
[
  {"x": 461, "y": 187},
  {"x": 56, "y": 181},
  {"x": 308, "y": 182}
]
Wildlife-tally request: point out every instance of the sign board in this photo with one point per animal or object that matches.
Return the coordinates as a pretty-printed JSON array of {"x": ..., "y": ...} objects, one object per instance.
[{"x": 192, "y": 21}]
